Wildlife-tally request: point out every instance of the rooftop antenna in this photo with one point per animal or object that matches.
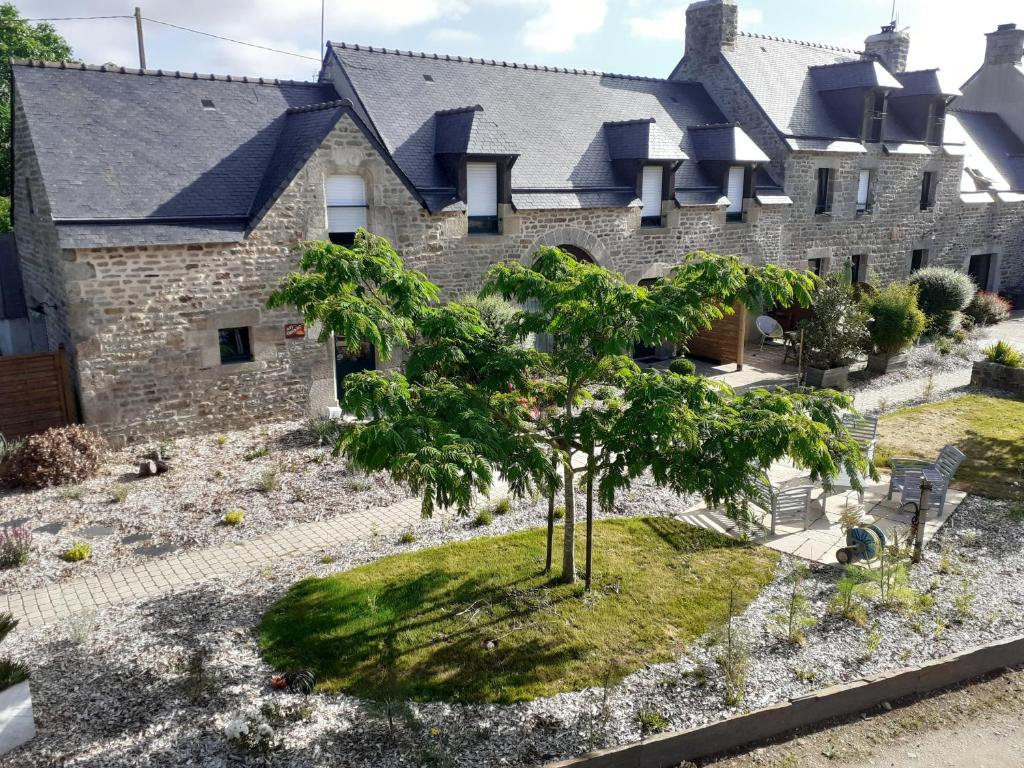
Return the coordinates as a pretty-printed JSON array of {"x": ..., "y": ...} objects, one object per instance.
[
  {"x": 322, "y": 27},
  {"x": 138, "y": 32}
]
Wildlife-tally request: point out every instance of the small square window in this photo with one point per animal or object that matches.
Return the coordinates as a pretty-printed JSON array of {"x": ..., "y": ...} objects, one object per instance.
[
  {"x": 235, "y": 346},
  {"x": 208, "y": 104},
  {"x": 429, "y": 78},
  {"x": 816, "y": 266}
]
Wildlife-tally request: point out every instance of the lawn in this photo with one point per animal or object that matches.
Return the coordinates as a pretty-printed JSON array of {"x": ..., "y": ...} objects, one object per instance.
[
  {"x": 420, "y": 626},
  {"x": 990, "y": 430}
]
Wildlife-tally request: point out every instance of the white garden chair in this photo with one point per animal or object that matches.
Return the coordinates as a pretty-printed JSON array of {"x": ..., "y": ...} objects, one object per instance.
[
  {"x": 906, "y": 473},
  {"x": 782, "y": 504},
  {"x": 769, "y": 328},
  {"x": 864, "y": 430}
]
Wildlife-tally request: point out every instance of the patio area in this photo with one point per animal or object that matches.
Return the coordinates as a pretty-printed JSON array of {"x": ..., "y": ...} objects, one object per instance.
[{"x": 823, "y": 535}]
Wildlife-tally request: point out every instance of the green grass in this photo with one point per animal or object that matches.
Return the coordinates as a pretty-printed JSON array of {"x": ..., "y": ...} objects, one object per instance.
[
  {"x": 414, "y": 626},
  {"x": 990, "y": 430}
]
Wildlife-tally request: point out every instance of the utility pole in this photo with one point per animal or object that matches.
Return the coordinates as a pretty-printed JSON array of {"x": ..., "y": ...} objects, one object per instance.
[{"x": 138, "y": 31}]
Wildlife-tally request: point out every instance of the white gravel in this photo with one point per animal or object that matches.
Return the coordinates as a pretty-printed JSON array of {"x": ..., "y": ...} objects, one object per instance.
[
  {"x": 123, "y": 698},
  {"x": 184, "y": 507}
]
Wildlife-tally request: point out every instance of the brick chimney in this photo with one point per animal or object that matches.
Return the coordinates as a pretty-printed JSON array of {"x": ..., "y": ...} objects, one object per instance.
[
  {"x": 711, "y": 25},
  {"x": 891, "y": 47},
  {"x": 1005, "y": 45}
]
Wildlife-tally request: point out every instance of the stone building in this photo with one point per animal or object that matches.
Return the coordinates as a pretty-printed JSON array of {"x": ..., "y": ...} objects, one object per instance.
[{"x": 155, "y": 211}]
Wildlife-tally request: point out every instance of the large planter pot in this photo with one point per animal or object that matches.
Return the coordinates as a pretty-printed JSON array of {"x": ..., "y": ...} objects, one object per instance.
[
  {"x": 996, "y": 376},
  {"x": 16, "y": 723},
  {"x": 827, "y": 378},
  {"x": 883, "y": 362}
]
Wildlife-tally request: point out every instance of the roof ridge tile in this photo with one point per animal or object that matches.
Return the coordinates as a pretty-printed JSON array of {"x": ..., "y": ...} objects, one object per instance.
[
  {"x": 334, "y": 104},
  {"x": 821, "y": 46},
  {"x": 178, "y": 74},
  {"x": 495, "y": 63}
]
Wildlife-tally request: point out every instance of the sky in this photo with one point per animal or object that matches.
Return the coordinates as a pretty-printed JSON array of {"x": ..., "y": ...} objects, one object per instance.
[{"x": 640, "y": 37}]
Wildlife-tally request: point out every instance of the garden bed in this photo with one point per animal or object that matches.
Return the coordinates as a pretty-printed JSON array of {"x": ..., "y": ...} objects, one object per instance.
[
  {"x": 276, "y": 476},
  {"x": 158, "y": 681}
]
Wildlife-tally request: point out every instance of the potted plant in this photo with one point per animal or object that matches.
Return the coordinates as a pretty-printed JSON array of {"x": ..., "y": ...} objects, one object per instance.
[
  {"x": 895, "y": 322},
  {"x": 834, "y": 335},
  {"x": 16, "y": 724},
  {"x": 1002, "y": 368}
]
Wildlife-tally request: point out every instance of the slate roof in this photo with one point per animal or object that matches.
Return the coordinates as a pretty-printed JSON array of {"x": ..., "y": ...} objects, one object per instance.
[
  {"x": 926, "y": 82},
  {"x": 841, "y": 75},
  {"x": 130, "y": 156},
  {"x": 468, "y": 131},
  {"x": 553, "y": 118},
  {"x": 777, "y": 72},
  {"x": 994, "y": 152},
  {"x": 640, "y": 140},
  {"x": 726, "y": 143}
]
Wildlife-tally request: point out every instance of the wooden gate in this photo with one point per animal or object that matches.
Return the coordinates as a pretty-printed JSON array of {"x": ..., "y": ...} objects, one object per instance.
[{"x": 35, "y": 393}]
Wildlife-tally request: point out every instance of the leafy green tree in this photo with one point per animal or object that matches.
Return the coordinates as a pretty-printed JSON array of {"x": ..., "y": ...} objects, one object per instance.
[
  {"x": 19, "y": 39},
  {"x": 475, "y": 401}
]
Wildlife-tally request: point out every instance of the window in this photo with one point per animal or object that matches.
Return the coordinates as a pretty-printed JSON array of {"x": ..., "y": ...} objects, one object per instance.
[
  {"x": 936, "y": 122},
  {"x": 346, "y": 207},
  {"x": 918, "y": 259},
  {"x": 816, "y": 266},
  {"x": 875, "y": 117},
  {"x": 234, "y": 346},
  {"x": 927, "y": 190},
  {"x": 979, "y": 267},
  {"x": 482, "y": 198},
  {"x": 650, "y": 195},
  {"x": 864, "y": 191},
  {"x": 208, "y": 104},
  {"x": 857, "y": 264},
  {"x": 734, "y": 192},
  {"x": 823, "y": 202}
]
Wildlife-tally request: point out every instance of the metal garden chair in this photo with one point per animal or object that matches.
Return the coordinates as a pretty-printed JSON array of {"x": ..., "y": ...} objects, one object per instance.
[
  {"x": 864, "y": 430},
  {"x": 782, "y": 504},
  {"x": 906, "y": 475}
]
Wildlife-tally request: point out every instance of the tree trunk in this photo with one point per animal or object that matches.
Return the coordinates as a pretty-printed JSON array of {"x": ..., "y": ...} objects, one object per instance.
[
  {"x": 569, "y": 529},
  {"x": 551, "y": 529},
  {"x": 590, "y": 521}
]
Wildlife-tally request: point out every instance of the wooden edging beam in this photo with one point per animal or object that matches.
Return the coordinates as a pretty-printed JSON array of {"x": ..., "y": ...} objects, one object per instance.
[{"x": 670, "y": 749}]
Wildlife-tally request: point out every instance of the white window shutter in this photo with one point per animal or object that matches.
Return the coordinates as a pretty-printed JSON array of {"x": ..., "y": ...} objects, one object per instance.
[
  {"x": 348, "y": 189},
  {"x": 650, "y": 192},
  {"x": 482, "y": 189},
  {"x": 346, "y": 219},
  {"x": 863, "y": 183},
  {"x": 734, "y": 192}
]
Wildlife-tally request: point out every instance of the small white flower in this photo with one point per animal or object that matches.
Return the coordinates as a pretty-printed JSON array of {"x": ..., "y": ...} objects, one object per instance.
[{"x": 236, "y": 728}]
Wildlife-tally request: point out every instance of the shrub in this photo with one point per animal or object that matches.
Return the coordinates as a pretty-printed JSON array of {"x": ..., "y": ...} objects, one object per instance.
[
  {"x": 15, "y": 546},
  {"x": 234, "y": 517},
  {"x": 58, "y": 456},
  {"x": 896, "y": 320},
  {"x": 838, "y": 330},
  {"x": 256, "y": 453},
  {"x": 118, "y": 493},
  {"x": 501, "y": 507},
  {"x": 11, "y": 672},
  {"x": 408, "y": 537},
  {"x": 651, "y": 721},
  {"x": 559, "y": 513},
  {"x": 683, "y": 367},
  {"x": 943, "y": 346},
  {"x": 77, "y": 552},
  {"x": 942, "y": 294},
  {"x": 9, "y": 448},
  {"x": 987, "y": 308},
  {"x": 268, "y": 481},
  {"x": 1003, "y": 353},
  {"x": 483, "y": 517}
]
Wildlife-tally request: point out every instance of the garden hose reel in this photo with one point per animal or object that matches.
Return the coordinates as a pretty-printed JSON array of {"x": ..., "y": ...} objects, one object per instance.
[{"x": 863, "y": 544}]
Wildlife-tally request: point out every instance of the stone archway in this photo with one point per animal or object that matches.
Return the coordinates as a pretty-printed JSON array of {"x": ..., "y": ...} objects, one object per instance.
[
  {"x": 577, "y": 253},
  {"x": 575, "y": 241}
]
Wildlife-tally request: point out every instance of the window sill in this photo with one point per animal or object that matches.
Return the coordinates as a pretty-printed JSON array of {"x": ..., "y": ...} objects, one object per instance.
[
  {"x": 826, "y": 216},
  {"x": 484, "y": 235},
  {"x": 862, "y": 214}
]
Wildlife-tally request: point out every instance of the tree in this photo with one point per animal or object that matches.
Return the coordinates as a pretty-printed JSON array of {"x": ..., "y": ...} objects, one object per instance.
[
  {"x": 475, "y": 400},
  {"x": 19, "y": 39}
]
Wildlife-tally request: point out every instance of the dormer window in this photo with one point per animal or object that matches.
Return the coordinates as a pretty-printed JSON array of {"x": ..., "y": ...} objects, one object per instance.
[
  {"x": 482, "y": 198},
  {"x": 864, "y": 191},
  {"x": 734, "y": 191},
  {"x": 875, "y": 116},
  {"x": 345, "y": 196},
  {"x": 651, "y": 195}
]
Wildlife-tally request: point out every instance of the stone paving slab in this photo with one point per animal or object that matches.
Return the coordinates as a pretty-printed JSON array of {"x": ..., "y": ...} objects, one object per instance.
[{"x": 165, "y": 574}]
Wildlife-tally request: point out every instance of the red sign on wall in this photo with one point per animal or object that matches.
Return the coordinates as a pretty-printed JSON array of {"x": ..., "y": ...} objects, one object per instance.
[{"x": 295, "y": 330}]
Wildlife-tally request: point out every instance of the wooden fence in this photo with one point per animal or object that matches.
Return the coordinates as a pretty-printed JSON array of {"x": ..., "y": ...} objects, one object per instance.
[
  {"x": 725, "y": 340},
  {"x": 35, "y": 393}
]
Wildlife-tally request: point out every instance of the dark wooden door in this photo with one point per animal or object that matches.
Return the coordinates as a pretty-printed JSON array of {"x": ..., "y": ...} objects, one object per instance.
[
  {"x": 978, "y": 268},
  {"x": 345, "y": 362}
]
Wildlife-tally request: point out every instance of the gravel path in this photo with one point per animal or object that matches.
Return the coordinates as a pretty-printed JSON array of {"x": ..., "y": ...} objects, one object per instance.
[
  {"x": 278, "y": 476},
  {"x": 157, "y": 682}
]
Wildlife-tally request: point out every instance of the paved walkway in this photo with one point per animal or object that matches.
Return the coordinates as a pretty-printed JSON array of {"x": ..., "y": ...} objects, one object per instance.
[{"x": 166, "y": 574}]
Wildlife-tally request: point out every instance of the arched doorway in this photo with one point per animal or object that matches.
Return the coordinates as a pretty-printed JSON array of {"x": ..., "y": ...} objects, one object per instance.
[{"x": 578, "y": 253}]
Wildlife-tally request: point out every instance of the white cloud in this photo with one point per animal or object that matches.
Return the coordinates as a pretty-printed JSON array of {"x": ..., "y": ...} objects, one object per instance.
[
  {"x": 750, "y": 17},
  {"x": 556, "y": 29},
  {"x": 666, "y": 24},
  {"x": 450, "y": 35}
]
